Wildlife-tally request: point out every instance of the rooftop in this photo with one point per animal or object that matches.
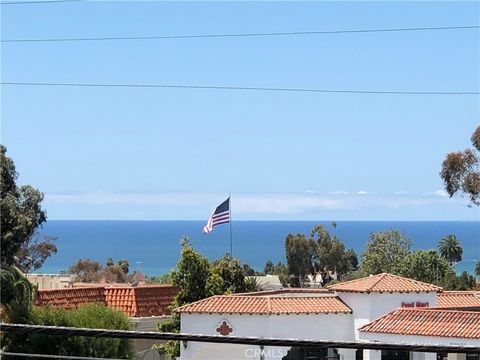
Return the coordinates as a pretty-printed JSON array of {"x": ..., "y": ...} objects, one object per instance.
[
  {"x": 287, "y": 292},
  {"x": 266, "y": 305},
  {"x": 428, "y": 322},
  {"x": 458, "y": 299},
  {"x": 384, "y": 282},
  {"x": 140, "y": 301},
  {"x": 72, "y": 297}
]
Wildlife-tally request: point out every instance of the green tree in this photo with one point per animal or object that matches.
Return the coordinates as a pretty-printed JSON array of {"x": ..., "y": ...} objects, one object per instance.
[
  {"x": 162, "y": 279},
  {"x": 197, "y": 279},
  {"x": 248, "y": 270},
  {"x": 461, "y": 171},
  {"x": 96, "y": 316},
  {"x": 17, "y": 298},
  {"x": 124, "y": 264},
  {"x": 17, "y": 295},
  {"x": 86, "y": 270},
  {"x": 191, "y": 275},
  {"x": 329, "y": 253},
  {"x": 33, "y": 253},
  {"x": 231, "y": 274},
  {"x": 425, "y": 265},
  {"x": 193, "y": 278},
  {"x": 21, "y": 210},
  {"x": 477, "y": 269},
  {"x": 461, "y": 282},
  {"x": 252, "y": 284},
  {"x": 451, "y": 249},
  {"x": 109, "y": 262},
  {"x": 113, "y": 273},
  {"x": 268, "y": 268},
  {"x": 384, "y": 251},
  {"x": 299, "y": 258}
]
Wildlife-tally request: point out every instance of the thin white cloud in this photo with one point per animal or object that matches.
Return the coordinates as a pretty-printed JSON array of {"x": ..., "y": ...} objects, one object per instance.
[
  {"x": 282, "y": 203},
  {"x": 310, "y": 191},
  {"x": 245, "y": 204},
  {"x": 441, "y": 193},
  {"x": 339, "y": 192},
  {"x": 361, "y": 192}
]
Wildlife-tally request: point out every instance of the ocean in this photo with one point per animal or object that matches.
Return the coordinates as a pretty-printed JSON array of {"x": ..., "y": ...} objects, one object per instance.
[{"x": 153, "y": 246}]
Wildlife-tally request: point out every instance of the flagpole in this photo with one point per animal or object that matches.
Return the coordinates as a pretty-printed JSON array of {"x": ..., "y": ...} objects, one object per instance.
[{"x": 230, "y": 215}]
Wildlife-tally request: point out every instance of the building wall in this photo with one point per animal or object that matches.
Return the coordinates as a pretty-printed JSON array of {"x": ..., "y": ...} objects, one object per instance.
[
  {"x": 313, "y": 327},
  {"x": 368, "y": 307},
  {"x": 143, "y": 347},
  {"x": 50, "y": 281}
]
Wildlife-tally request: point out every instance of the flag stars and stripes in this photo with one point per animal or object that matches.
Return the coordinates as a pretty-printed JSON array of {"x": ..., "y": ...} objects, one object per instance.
[{"x": 221, "y": 215}]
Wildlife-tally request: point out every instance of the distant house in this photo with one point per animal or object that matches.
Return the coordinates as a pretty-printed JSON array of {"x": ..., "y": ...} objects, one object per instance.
[
  {"x": 139, "y": 278},
  {"x": 50, "y": 281},
  {"x": 269, "y": 282}
]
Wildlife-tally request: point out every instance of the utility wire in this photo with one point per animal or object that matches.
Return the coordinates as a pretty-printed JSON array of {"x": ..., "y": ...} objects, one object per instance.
[
  {"x": 258, "y": 341},
  {"x": 249, "y": 88},
  {"x": 47, "y": 356},
  {"x": 271, "y": 34},
  {"x": 37, "y": 2}
]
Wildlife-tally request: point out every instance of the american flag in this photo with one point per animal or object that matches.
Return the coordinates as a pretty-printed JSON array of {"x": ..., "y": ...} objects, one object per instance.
[{"x": 221, "y": 215}]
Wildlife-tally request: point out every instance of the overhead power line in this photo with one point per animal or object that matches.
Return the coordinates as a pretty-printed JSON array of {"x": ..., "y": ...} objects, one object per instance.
[
  {"x": 271, "y": 34},
  {"x": 46, "y": 356},
  {"x": 244, "y": 88},
  {"x": 153, "y": 335},
  {"x": 37, "y": 2}
]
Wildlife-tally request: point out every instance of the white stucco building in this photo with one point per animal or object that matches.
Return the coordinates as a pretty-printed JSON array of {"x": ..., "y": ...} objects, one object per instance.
[{"x": 382, "y": 308}]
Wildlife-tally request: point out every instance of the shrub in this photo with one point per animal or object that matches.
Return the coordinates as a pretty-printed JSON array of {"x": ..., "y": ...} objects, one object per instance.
[{"x": 95, "y": 316}]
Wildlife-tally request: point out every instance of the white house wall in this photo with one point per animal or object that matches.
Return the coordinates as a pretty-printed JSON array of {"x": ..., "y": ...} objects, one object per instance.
[
  {"x": 312, "y": 327},
  {"x": 369, "y": 307}
]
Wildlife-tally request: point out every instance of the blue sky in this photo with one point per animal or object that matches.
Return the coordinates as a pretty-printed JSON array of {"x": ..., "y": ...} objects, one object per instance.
[{"x": 115, "y": 153}]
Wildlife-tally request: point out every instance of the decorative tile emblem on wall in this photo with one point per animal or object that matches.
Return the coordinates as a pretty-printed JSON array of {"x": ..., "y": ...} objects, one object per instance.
[{"x": 224, "y": 328}]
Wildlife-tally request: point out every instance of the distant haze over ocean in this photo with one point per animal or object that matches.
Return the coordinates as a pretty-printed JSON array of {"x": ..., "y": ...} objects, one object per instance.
[{"x": 153, "y": 246}]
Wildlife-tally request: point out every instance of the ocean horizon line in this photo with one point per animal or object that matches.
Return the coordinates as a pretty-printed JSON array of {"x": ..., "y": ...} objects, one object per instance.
[{"x": 276, "y": 220}]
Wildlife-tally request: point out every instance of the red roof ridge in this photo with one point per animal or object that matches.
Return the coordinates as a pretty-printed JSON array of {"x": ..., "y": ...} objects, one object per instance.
[
  {"x": 285, "y": 291},
  {"x": 391, "y": 283},
  {"x": 266, "y": 305},
  {"x": 74, "y": 288},
  {"x": 381, "y": 276},
  {"x": 198, "y": 302}
]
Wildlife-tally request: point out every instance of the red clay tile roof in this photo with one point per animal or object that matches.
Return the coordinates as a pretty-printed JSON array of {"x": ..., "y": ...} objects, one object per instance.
[
  {"x": 266, "y": 305},
  {"x": 140, "y": 301},
  {"x": 384, "y": 283},
  {"x": 458, "y": 299},
  {"x": 71, "y": 298},
  {"x": 296, "y": 291},
  {"x": 428, "y": 322}
]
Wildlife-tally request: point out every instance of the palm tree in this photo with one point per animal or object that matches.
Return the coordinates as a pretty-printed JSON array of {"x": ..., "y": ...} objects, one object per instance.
[
  {"x": 451, "y": 249},
  {"x": 17, "y": 295},
  {"x": 477, "y": 269}
]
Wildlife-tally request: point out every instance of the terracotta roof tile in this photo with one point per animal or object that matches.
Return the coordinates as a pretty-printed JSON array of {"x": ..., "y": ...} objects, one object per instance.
[
  {"x": 384, "y": 283},
  {"x": 71, "y": 298},
  {"x": 141, "y": 301},
  {"x": 428, "y": 322},
  {"x": 458, "y": 299},
  {"x": 266, "y": 305},
  {"x": 287, "y": 291}
]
